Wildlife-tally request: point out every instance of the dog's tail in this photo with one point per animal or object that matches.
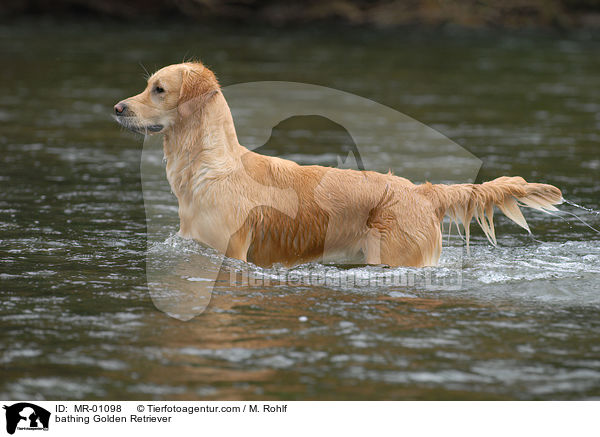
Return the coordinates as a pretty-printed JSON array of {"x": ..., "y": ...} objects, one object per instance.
[{"x": 462, "y": 202}]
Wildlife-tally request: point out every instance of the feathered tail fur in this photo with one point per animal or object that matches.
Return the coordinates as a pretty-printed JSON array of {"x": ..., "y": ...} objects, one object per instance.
[{"x": 462, "y": 202}]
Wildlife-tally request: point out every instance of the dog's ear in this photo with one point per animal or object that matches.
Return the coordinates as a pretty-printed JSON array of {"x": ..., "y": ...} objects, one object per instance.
[{"x": 198, "y": 85}]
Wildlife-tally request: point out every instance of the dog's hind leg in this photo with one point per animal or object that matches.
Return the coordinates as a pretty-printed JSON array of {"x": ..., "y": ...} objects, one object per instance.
[{"x": 400, "y": 239}]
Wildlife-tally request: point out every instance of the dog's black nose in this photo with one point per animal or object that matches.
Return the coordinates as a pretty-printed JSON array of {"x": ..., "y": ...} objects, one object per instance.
[{"x": 120, "y": 108}]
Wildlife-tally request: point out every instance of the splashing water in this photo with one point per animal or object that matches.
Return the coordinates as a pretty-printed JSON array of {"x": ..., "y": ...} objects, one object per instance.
[
  {"x": 579, "y": 218},
  {"x": 581, "y": 207}
]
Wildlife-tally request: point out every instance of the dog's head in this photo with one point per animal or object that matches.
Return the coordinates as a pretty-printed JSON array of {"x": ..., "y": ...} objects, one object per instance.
[{"x": 172, "y": 95}]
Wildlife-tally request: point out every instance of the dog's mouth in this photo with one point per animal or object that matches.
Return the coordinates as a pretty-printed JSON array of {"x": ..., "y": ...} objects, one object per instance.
[
  {"x": 133, "y": 125},
  {"x": 154, "y": 128}
]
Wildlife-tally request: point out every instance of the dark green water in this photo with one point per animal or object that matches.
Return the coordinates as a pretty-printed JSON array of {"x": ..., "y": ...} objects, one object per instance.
[{"x": 76, "y": 317}]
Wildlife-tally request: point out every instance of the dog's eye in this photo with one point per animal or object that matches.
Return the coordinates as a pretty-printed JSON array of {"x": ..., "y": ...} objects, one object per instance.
[{"x": 159, "y": 90}]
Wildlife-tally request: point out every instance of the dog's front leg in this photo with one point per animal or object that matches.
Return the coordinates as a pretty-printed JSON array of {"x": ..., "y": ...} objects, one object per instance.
[{"x": 239, "y": 244}]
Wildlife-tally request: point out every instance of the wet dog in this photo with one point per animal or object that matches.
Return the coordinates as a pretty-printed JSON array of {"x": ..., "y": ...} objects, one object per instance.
[{"x": 269, "y": 210}]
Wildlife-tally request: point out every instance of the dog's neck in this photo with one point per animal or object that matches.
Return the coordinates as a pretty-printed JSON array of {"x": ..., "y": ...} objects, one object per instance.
[
  {"x": 206, "y": 129},
  {"x": 201, "y": 145}
]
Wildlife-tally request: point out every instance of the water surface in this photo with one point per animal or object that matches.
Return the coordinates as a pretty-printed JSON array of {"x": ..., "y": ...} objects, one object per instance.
[{"x": 76, "y": 316}]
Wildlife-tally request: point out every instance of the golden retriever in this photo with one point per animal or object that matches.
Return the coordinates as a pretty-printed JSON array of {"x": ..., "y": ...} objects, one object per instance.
[{"x": 269, "y": 210}]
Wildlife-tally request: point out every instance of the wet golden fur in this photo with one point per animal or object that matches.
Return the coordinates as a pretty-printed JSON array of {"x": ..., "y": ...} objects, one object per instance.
[{"x": 270, "y": 210}]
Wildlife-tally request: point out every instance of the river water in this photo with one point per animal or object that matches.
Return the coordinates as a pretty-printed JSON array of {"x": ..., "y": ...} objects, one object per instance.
[{"x": 77, "y": 318}]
